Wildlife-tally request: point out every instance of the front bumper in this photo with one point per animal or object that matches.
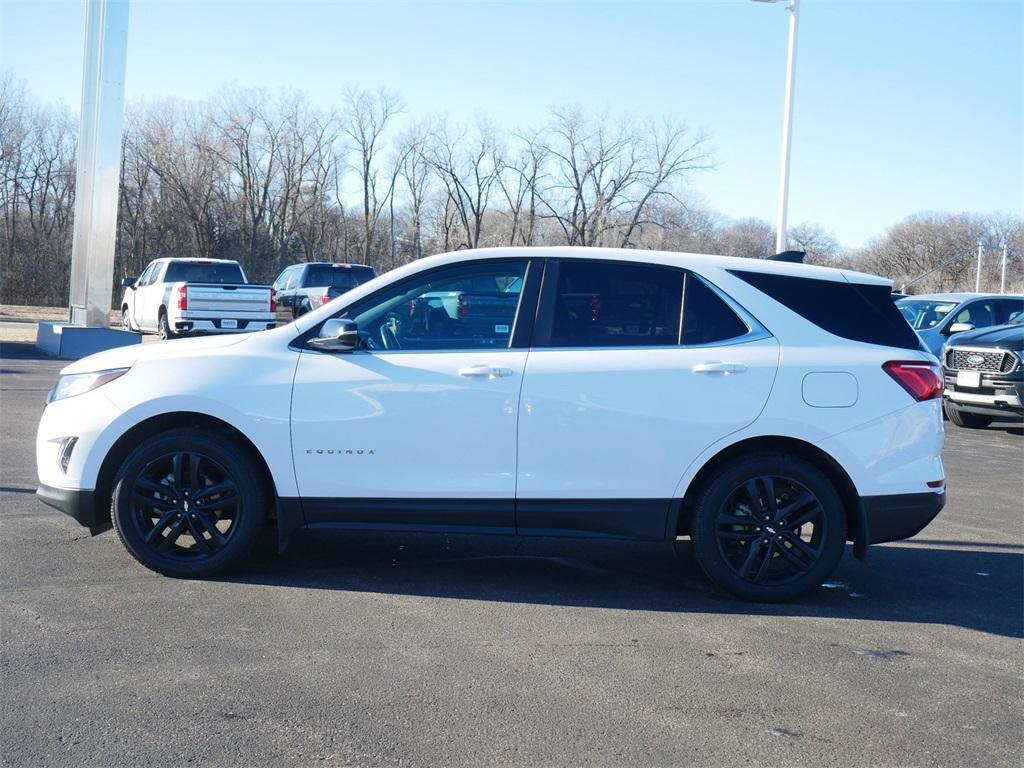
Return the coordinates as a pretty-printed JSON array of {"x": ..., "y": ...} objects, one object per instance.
[
  {"x": 78, "y": 503},
  {"x": 899, "y": 516}
]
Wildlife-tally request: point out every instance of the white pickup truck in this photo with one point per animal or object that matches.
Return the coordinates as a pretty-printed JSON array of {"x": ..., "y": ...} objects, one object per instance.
[{"x": 179, "y": 296}]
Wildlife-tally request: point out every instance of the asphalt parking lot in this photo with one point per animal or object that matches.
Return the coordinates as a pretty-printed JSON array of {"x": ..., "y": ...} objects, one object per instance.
[{"x": 416, "y": 650}]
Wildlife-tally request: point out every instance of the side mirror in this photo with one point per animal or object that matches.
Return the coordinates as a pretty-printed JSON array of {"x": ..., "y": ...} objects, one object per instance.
[
  {"x": 960, "y": 328},
  {"x": 1013, "y": 316},
  {"x": 336, "y": 336},
  {"x": 128, "y": 282}
]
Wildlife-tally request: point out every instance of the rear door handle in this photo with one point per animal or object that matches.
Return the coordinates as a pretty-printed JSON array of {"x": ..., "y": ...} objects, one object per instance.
[
  {"x": 487, "y": 371},
  {"x": 718, "y": 367}
]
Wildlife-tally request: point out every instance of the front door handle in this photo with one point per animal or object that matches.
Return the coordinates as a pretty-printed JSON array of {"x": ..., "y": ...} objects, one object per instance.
[
  {"x": 719, "y": 367},
  {"x": 485, "y": 371}
]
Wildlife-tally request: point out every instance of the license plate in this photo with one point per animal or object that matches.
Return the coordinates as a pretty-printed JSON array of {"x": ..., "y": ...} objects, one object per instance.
[
  {"x": 968, "y": 379},
  {"x": 228, "y": 323}
]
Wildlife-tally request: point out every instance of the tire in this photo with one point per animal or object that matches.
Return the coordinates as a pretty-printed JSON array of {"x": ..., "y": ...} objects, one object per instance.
[
  {"x": 736, "y": 550},
  {"x": 164, "y": 326},
  {"x": 156, "y": 508},
  {"x": 966, "y": 419},
  {"x": 126, "y": 322}
]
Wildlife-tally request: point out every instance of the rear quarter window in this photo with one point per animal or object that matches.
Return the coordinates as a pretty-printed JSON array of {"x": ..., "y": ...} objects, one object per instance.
[{"x": 854, "y": 311}]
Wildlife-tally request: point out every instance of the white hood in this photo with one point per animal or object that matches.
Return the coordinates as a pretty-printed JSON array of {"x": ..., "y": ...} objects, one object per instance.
[{"x": 123, "y": 357}]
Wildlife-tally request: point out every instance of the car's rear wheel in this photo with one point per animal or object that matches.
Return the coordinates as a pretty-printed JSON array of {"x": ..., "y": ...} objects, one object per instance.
[
  {"x": 769, "y": 527},
  {"x": 188, "y": 502},
  {"x": 163, "y": 326},
  {"x": 966, "y": 419}
]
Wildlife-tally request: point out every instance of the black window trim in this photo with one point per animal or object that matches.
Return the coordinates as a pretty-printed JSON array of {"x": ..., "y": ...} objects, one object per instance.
[
  {"x": 522, "y": 327},
  {"x": 546, "y": 311}
]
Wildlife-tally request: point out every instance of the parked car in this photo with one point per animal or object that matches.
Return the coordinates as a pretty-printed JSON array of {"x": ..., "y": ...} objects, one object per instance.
[
  {"x": 749, "y": 405},
  {"x": 302, "y": 288},
  {"x": 938, "y": 316},
  {"x": 984, "y": 373},
  {"x": 174, "y": 297}
]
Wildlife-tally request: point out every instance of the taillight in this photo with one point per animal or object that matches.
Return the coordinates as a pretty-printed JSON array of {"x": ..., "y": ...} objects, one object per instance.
[
  {"x": 463, "y": 305},
  {"x": 182, "y": 297},
  {"x": 273, "y": 300},
  {"x": 923, "y": 381},
  {"x": 325, "y": 298}
]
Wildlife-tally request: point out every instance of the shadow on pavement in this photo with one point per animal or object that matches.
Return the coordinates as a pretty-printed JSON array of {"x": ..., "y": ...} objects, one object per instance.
[
  {"x": 21, "y": 350},
  {"x": 982, "y": 590}
]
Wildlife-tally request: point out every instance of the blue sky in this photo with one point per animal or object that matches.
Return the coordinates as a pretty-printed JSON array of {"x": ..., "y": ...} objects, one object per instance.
[{"x": 900, "y": 106}]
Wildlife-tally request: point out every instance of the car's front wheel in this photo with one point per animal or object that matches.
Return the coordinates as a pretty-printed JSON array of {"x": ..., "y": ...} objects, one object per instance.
[
  {"x": 188, "y": 503},
  {"x": 769, "y": 527}
]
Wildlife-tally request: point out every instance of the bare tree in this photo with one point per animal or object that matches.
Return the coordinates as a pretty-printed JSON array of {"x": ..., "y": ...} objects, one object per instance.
[
  {"x": 366, "y": 119},
  {"x": 468, "y": 164}
]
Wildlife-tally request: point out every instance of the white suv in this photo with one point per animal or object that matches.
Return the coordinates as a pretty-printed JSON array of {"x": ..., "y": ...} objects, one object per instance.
[{"x": 768, "y": 411}]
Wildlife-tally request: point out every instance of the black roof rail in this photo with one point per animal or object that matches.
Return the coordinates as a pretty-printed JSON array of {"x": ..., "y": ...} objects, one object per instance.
[{"x": 793, "y": 257}]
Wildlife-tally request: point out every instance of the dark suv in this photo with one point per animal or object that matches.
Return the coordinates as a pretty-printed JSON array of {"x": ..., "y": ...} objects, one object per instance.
[
  {"x": 304, "y": 287},
  {"x": 984, "y": 373}
]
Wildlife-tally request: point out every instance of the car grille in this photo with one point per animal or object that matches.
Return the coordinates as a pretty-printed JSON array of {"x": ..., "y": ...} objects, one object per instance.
[{"x": 976, "y": 360}]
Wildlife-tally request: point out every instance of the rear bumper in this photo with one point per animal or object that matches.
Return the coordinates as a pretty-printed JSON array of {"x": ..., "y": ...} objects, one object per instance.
[
  {"x": 899, "y": 516},
  {"x": 188, "y": 324},
  {"x": 75, "y": 502}
]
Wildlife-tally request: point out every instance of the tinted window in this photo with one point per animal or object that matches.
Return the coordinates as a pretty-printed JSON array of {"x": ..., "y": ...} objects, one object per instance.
[
  {"x": 204, "y": 272},
  {"x": 706, "y": 318},
  {"x": 606, "y": 304},
  {"x": 338, "y": 276},
  {"x": 471, "y": 306},
  {"x": 850, "y": 310},
  {"x": 923, "y": 313},
  {"x": 1006, "y": 308}
]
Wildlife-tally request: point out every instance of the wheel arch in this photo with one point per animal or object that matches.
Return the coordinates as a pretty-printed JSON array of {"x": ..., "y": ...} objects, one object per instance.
[
  {"x": 856, "y": 527},
  {"x": 286, "y": 517}
]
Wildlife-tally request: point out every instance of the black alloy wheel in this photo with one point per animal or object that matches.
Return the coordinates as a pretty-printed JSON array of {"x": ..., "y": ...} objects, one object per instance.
[
  {"x": 189, "y": 502},
  {"x": 768, "y": 527},
  {"x": 771, "y": 530},
  {"x": 184, "y": 505}
]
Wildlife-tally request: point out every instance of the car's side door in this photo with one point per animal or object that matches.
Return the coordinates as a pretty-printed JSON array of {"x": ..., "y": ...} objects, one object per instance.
[
  {"x": 418, "y": 428},
  {"x": 634, "y": 371},
  {"x": 132, "y": 297},
  {"x": 150, "y": 296}
]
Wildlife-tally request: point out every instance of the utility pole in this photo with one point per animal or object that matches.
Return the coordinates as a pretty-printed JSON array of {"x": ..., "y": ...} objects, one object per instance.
[
  {"x": 1002, "y": 279},
  {"x": 977, "y": 272},
  {"x": 787, "y": 125}
]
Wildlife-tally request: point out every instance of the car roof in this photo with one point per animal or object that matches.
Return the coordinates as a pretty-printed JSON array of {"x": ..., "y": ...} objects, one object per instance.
[
  {"x": 672, "y": 258},
  {"x": 196, "y": 259},
  {"x": 330, "y": 264},
  {"x": 958, "y": 297}
]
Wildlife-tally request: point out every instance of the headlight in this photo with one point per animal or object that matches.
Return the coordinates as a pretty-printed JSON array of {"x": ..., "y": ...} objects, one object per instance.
[{"x": 80, "y": 383}]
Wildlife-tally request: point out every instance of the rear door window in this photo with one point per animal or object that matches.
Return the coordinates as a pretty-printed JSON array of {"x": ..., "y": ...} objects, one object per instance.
[
  {"x": 616, "y": 304},
  {"x": 706, "y": 317}
]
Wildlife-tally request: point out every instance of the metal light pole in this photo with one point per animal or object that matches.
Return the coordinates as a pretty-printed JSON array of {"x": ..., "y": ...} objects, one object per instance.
[
  {"x": 1002, "y": 279},
  {"x": 99, "y": 162},
  {"x": 977, "y": 272},
  {"x": 787, "y": 123}
]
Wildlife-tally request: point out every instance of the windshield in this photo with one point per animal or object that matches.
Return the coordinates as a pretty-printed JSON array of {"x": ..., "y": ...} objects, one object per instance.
[
  {"x": 922, "y": 314},
  {"x": 204, "y": 272},
  {"x": 345, "y": 278}
]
